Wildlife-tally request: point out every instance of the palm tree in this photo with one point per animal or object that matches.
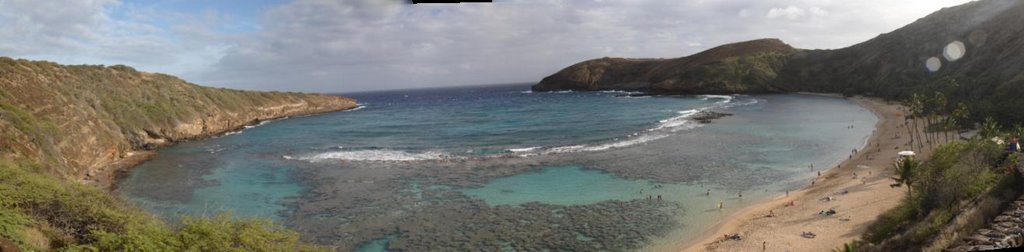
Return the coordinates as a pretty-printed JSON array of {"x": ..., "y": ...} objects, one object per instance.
[
  {"x": 961, "y": 115},
  {"x": 916, "y": 110},
  {"x": 939, "y": 103},
  {"x": 848, "y": 247},
  {"x": 989, "y": 128},
  {"x": 909, "y": 116},
  {"x": 950, "y": 124},
  {"x": 905, "y": 171}
]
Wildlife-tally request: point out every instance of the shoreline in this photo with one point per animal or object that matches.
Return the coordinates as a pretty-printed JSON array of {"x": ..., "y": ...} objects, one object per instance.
[
  {"x": 868, "y": 196},
  {"x": 108, "y": 175}
]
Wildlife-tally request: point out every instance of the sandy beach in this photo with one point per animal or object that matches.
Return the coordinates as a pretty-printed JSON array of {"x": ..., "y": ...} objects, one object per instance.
[{"x": 859, "y": 190}]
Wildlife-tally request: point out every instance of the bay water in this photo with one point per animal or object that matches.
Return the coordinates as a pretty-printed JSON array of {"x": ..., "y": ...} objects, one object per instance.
[{"x": 371, "y": 177}]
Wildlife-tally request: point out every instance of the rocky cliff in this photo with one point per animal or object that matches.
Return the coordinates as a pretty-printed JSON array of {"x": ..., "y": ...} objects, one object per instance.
[
  {"x": 77, "y": 122},
  {"x": 986, "y": 34}
]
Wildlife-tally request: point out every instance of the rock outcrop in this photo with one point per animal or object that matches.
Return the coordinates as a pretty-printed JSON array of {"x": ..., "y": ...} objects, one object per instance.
[
  {"x": 78, "y": 121},
  {"x": 1005, "y": 231}
]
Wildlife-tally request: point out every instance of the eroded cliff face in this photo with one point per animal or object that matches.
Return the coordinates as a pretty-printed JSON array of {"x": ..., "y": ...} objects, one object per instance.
[
  {"x": 745, "y": 67},
  {"x": 80, "y": 122}
]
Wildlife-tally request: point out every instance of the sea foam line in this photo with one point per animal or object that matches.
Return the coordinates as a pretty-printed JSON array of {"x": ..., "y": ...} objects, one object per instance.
[
  {"x": 372, "y": 155},
  {"x": 527, "y": 149},
  {"x": 661, "y": 130},
  {"x": 358, "y": 107}
]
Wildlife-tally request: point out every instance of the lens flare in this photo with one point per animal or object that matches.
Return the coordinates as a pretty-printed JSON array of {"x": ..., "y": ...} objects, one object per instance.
[
  {"x": 933, "y": 64},
  {"x": 954, "y": 51}
]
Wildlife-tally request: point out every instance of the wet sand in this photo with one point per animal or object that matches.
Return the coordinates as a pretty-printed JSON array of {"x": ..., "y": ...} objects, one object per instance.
[{"x": 859, "y": 189}]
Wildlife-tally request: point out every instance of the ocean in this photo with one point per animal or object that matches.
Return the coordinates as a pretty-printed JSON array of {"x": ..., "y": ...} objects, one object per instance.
[{"x": 503, "y": 168}]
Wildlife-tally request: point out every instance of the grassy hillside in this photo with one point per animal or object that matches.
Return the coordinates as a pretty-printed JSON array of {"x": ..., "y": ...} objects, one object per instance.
[
  {"x": 988, "y": 78},
  {"x": 62, "y": 127},
  {"x": 743, "y": 67},
  {"x": 75, "y": 120}
]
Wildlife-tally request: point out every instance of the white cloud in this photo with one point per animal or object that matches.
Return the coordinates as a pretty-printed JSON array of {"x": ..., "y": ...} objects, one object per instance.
[
  {"x": 790, "y": 12},
  {"x": 90, "y": 32},
  {"x": 352, "y": 45},
  {"x": 795, "y": 13}
]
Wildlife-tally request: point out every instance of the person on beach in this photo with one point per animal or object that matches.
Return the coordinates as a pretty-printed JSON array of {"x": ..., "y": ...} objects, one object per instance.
[
  {"x": 719, "y": 205},
  {"x": 708, "y": 193}
]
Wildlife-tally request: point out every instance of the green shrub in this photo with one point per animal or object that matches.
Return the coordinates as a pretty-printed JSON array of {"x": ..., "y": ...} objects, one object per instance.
[
  {"x": 12, "y": 222},
  {"x": 955, "y": 173},
  {"x": 98, "y": 221}
]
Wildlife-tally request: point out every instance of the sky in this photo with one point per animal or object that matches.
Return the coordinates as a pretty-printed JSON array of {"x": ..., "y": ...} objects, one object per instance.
[{"x": 362, "y": 45}]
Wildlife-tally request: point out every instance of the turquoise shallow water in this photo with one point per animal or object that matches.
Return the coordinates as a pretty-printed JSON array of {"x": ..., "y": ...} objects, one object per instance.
[
  {"x": 570, "y": 185},
  {"x": 513, "y": 147}
]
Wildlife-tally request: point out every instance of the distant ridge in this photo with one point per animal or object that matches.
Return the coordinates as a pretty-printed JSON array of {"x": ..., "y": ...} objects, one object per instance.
[
  {"x": 892, "y": 65},
  {"x": 733, "y": 68}
]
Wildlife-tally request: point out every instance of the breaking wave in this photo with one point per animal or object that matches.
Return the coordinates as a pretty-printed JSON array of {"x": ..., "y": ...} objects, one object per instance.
[
  {"x": 622, "y": 92},
  {"x": 372, "y": 155},
  {"x": 664, "y": 128},
  {"x": 725, "y": 98},
  {"x": 527, "y": 149},
  {"x": 358, "y": 107}
]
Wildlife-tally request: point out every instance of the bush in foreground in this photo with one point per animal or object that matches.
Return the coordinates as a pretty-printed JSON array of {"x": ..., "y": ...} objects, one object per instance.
[{"x": 74, "y": 217}]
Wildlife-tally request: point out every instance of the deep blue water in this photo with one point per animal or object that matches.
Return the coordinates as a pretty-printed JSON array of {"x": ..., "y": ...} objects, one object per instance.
[
  {"x": 482, "y": 121},
  {"x": 252, "y": 173}
]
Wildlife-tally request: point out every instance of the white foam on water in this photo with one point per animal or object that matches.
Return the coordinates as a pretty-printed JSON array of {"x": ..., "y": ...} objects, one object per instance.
[
  {"x": 261, "y": 123},
  {"x": 564, "y": 149},
  {"x": 374, "y": 155},
  {"x": 752, "y": 101},
  {"x": 677, "y": 121},
  {"x": 527, "y": 149},
  {"x": 620, "y": 92},
  {"x": 631, "y": 140},
  {"x": 664, "y": 128},
  {"x": 526, "y": 92},
  {"x": 725, "y": 98},
  {"x": 358, "y": 107},
  {"x": 626, "y": 143},
  {"x": 661, "y": 130}
]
